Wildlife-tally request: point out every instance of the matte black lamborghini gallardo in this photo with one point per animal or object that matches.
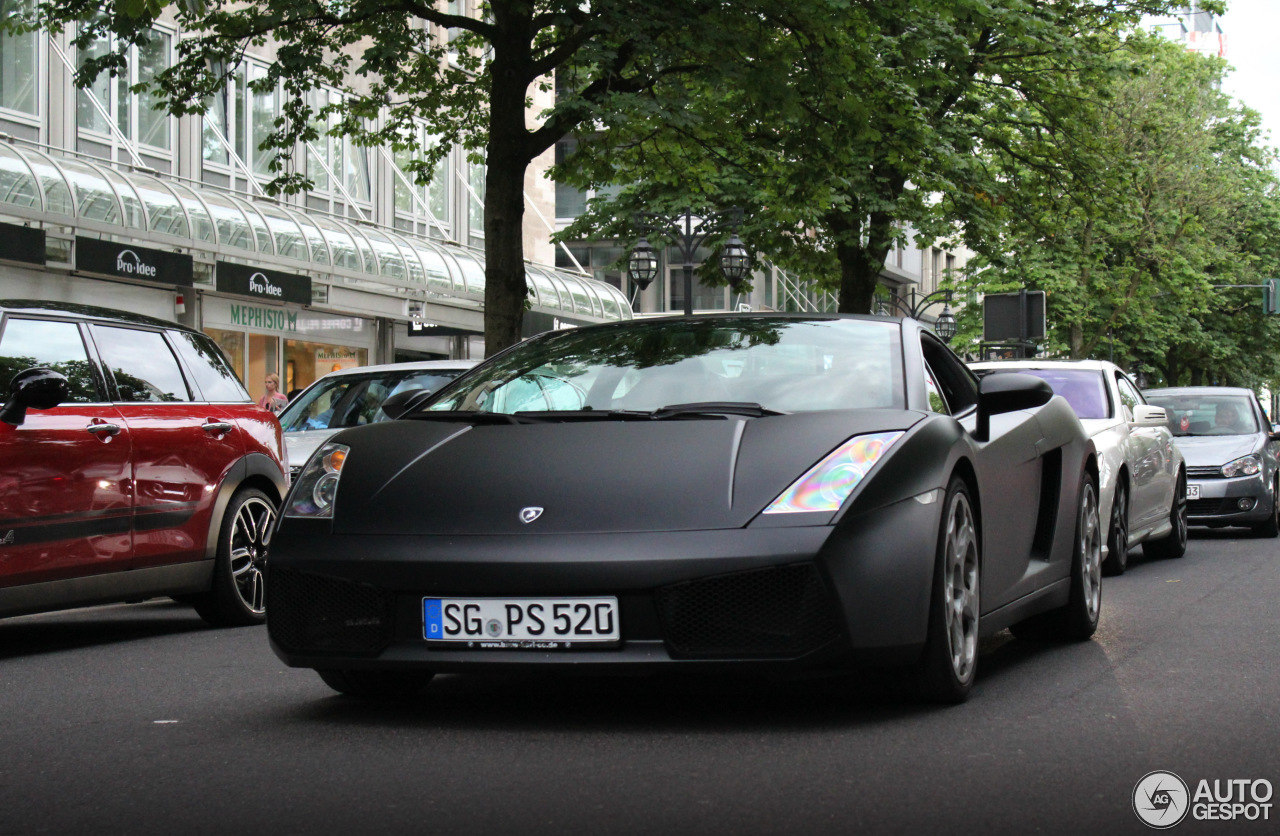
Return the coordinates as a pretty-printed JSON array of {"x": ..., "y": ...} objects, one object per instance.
[{"x": 767, "y": 490}]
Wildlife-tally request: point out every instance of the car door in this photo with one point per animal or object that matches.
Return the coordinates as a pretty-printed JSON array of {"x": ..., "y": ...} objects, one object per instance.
[
  {"x": 182, "y": 447},
  {"x": 1148, "y": 457},
  {"x": 66, "y": 489}
]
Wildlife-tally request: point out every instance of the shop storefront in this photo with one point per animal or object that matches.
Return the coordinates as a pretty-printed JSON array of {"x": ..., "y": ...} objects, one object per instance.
[{"x": 299, "y": 345}]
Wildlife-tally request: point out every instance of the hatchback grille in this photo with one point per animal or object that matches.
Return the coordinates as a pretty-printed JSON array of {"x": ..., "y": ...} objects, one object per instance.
[
  {"x": 1211, "y": 507},
  {"x": 309, "y": 613},
  {"x": 784, "y": 611},
  {"x": 1204, "y": 472}
]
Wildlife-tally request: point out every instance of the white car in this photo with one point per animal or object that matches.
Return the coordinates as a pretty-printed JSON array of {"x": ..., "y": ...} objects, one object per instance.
[
  {"x": 351, "y": 397},
  {"x": 1143, "y": 490}
]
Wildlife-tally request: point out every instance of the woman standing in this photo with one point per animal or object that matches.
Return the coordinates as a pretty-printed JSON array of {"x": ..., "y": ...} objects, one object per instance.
[{"x": 274, "y": 400}]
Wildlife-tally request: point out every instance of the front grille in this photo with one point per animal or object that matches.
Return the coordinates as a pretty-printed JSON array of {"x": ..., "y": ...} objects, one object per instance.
[
  {"x": 1204, "y": 472},
  {"x": 1211, "y": 507},
  {"x": 783, "y": 611},
  {"x": 309, "y": 613}
]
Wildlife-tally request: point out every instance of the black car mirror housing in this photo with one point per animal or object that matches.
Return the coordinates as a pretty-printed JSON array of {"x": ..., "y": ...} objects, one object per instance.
[
  {"x": 37, "y": 388},
  {"x": 404, "y": 402},
  {"x": 1000, "y": 393}
]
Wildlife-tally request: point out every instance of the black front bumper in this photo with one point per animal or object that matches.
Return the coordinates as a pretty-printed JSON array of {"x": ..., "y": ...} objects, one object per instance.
[{"x": 767, "y": 597}]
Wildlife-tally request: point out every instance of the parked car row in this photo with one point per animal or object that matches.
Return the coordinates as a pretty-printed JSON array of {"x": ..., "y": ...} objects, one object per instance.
[{"x": 744, "y": 490}]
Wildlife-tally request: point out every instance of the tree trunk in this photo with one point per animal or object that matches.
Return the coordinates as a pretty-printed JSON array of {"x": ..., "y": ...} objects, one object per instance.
[
  {"x": 1077, "y": 342},
  {"x": 1197, "y": 375},
  {"x": 860, "y": 264}
]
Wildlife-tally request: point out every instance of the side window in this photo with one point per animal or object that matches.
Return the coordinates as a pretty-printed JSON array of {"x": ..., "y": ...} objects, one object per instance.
[
  {"x": 142, "y": 364},
  {"x": 953, "y": 379},
  {"x": 1129, "y": 397},
  {"x": 55, "y": 345},
  {"x": 212, "y": 376},
  {"x": 937, "y": 403}
]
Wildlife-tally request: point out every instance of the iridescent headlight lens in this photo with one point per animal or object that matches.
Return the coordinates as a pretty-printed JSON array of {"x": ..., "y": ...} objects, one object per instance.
[
  {"x": 316, "y": 487},
  {"x": 828, "y": 483},
  {"x": 1246, "y": 466}
]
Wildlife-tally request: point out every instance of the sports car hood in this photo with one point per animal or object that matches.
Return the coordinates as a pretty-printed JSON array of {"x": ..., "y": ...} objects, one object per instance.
[
  {"x": 447, "y": 478},
  {"x": 1213, "y": 451}
]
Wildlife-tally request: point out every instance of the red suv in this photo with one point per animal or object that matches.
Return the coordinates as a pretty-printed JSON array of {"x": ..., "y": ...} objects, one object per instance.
[{"x": 134, "y": 465}]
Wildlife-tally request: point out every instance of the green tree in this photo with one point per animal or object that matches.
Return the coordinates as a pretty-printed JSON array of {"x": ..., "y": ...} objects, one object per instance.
[
  {"x": 468, "y": 79},
  {"x": 841, "y": 124}
]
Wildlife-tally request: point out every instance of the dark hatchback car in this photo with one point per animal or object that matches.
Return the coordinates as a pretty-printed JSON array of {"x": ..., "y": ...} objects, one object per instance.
[
  {"x": 135, "y": 465},
  {"x": 1231, "y": 453}
]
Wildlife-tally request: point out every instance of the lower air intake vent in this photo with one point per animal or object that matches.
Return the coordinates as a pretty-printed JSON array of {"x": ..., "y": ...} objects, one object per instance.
[
  {"x": 308, "y": 613},
  {"x": 778, "y": 612}
]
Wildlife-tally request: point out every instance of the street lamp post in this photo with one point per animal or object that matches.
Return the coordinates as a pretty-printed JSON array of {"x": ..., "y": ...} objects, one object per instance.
[
  {"x": 914, "y": 307},
  {"x": 687, "y": 233}
]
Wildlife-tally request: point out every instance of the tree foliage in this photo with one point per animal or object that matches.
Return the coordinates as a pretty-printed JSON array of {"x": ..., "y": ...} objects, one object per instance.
[{"x": 1166, "y": 194}]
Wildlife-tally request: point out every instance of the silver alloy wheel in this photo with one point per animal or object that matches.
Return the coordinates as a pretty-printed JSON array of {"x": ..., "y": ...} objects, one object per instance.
[
  {"x": 1090, "y": 547},
  {"x": 250, "y": 534},
  {"x": 960, "y": 587}
]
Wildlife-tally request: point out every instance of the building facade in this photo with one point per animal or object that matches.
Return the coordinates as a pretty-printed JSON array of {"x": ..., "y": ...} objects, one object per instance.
[{"x": 106, "y": 200}]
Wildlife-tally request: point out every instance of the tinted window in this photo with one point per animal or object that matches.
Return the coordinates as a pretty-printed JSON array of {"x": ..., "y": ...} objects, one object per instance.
[
  {"x": 348, "y": 400},
  {"x": 937, "y": 403},
  {"x": 1211, "y": 413},
  {"x": 144, "y": 368},
  {"x": 207, "y": 365},
  {"x": 1084, "y": 389},
  {"x": 1128, "y": 396},
  {"x": 783, "y": 364},
  {"x": 55, "y": 345}
]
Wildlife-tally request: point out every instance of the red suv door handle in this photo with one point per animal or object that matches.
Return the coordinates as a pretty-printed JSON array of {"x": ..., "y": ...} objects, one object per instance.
[
  {"x": 109, "y": 429},
  {"x": 216, "y": 427}
]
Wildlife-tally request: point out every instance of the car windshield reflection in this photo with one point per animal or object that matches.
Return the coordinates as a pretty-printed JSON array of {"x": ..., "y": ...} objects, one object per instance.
[{"x": 1207, "y": 415}]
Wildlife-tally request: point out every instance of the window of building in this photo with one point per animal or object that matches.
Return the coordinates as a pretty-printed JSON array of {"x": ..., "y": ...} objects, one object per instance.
[
  {"x": 245, "y": 117},
  {"x": 413, "y": 201},
  {"x": 135, "y": 115},
  {"x": 475, "y": 199},
  {"x": 19, "y": 67}
]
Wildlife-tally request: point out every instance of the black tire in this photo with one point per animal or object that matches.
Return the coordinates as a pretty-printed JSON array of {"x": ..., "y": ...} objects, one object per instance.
[
  {"x": 948, "y": 664},
  {"x": 1078, "y": 619},
  {"x": 377, "y": 684},
  {"x": 1175, "y": 545},
  {"x": 1271, "y": 526},
  {"x": 1118, "y": 534},
  {"x": 237, "y": 596}
]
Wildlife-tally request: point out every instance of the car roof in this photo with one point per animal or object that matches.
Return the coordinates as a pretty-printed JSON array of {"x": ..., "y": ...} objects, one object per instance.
[
  {"x": 415, "y": 365},
  {"x": 1096, "y": 365},
  {"x": 67, "y": 309}
]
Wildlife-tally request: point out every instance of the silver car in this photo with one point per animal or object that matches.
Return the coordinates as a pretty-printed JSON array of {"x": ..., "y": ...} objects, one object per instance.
[
  {"x": 1141, "y": 494},
  {"x": 352, "y": 397},
  {"x": 1231, "y": 453}
]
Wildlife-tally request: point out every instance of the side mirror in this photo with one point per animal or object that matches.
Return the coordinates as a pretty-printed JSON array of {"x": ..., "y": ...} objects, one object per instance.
[
  {"x": 1001, "y": 393},
  {"x": 404, "y": 402},
  {"x": 33, "y": 389},
  {"x": 1275, "y": 432},
  {"x": 1150, "y": 416}
]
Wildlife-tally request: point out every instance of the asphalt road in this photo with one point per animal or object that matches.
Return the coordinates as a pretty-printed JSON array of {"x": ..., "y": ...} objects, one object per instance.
[{"x": 138, "y": 719}]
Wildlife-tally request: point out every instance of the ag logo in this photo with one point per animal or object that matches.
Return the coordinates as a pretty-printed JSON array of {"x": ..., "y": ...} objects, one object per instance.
[
  {"x": 1161, "y": 800},
  {"x": 528, "y": 515},
  {"x": 7, "y": 540}
]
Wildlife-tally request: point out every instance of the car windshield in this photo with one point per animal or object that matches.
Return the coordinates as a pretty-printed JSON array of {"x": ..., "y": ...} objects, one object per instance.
[
  {"x": 781, "y": 364},
  {"x": 1206, "y": 414},
  {"x": 349, "y": 400},
  {"x": 1084, "y": 389}
]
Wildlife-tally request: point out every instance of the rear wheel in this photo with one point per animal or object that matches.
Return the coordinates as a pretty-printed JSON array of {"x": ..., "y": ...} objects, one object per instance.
[
  {"x": 237, "y": 597},
  {"x": 1118, "y": 534},
  {"x": 376, "y": 684},
  {"x": 1078, "y": 619},
  {"x": 946, "y": 669},
  {"x": 1175, "y": 545},
  {"x": 1270, "y": 527}
]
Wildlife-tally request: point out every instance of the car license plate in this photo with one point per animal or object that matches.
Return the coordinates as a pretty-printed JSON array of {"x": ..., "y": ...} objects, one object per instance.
[
  {"x": 540, "y": 623},
  {"x": 1193, "y": 491}
]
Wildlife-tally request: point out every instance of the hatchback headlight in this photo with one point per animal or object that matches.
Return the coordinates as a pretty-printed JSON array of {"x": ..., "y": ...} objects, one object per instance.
[
  {"x": 317, "y": 485},
  {"x": 828, "y": 483},
  {"x": 1244, "y": 466}
]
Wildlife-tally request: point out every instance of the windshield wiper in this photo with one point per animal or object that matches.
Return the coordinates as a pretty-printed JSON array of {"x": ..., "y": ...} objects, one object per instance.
[{"x": 679, "y": 410}]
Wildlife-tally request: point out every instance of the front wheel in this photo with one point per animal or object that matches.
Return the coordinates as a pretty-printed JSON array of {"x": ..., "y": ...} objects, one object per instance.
[
  {"x": 946, "y": 669},
  {"x": 1175, "y": 545},
  {"x": 237, "y": 597},
  {"x": 1270, "y": 527},
  {"x": 376, "y": 684}
]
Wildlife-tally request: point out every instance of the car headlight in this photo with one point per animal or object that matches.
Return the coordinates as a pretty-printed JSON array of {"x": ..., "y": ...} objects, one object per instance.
[
  {"x": 828, "y": 483},
  {"x": 1244, "y": 466},
  {"x": 317, "y": 485}
]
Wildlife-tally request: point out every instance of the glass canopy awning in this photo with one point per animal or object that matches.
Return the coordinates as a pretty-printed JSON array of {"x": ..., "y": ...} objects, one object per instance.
[{"x": 45, "y": 187}]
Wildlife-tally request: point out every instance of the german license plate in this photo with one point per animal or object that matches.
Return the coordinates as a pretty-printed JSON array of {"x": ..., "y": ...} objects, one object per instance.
[
  {"x": 520, "y": 622},
  {"x": 1193, "y": 491}
]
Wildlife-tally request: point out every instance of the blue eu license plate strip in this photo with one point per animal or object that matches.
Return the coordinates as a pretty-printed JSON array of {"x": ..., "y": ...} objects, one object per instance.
[{"x": 432, "y": 619}]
